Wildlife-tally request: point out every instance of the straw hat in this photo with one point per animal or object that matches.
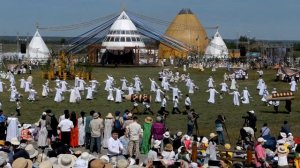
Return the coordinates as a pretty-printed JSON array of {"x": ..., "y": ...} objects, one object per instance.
[
  {"x": 96, "y": 163},
  {"x": 31, "y": 151},
  {"x": 109, "y": 116},
  {"x": 4, "y": 155},
  {"x": 15, "y": 141},
  {"x": 95, "y": 115},
  {"x": 212, "y": 135},
  {"x": 2, "y": 142},
  {"x": 86, "y": 156},
  {"x": 179, "y": 134},
  {"x": 22, "y": 163},
  {"x": 156, "y": 144},
  {"x": 104, "y": 158},
  {"x": 169, "y": 147},
  {"x": 204, "y": 140},
  {"x": 46, "y": 164},
  {"x": 261, "y": 140},
  {"x": 148, "y": 119},
  {"x": 166, "y": 134},
  {"x": 158, "y": 118},
  {"x": 283, "y": 135},
  {"x": 122, "y": 163},
  {"x": 282, "y": 150},
  {"x": 251, "y": 111},
  {"x": 66, "y": 160}
]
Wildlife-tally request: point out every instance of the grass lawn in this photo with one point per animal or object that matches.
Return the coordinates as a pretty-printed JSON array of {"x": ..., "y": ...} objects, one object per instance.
[{"x": 31, "y": 111}]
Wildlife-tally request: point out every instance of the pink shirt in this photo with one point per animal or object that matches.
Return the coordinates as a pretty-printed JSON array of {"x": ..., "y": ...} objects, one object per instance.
[{"x": 259, "y": 154}]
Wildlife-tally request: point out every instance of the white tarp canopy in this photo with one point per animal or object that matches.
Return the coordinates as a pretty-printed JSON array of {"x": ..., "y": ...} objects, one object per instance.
[
  {"x": 216, "y": 48},
  {"x": 37, "y": 49}
]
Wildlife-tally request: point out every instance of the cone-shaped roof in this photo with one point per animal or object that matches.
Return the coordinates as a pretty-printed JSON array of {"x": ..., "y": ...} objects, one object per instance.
[
  {"x": 37, "y": 49},
  {"x": 216, "y": 48},
  {"x": 185, "y": 28},
  {"x": 123, "y": 33}
]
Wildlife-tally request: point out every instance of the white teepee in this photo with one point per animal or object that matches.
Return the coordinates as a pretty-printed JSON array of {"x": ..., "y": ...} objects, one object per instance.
[
  {"x": 216, "y": 48},
  {"x": 37, "y": 49},
  {"x": 123, "y": 33}
]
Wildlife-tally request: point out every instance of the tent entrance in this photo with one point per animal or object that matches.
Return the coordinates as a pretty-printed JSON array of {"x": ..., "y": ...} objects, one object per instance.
[{"x": 118, "y": 57}]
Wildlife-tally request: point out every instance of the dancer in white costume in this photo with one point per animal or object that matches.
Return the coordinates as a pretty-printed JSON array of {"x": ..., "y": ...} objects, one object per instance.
[
  {"x": 293, "y": 85},
  {"x": 110, "y": 96},
  {"x": 210, "y": 81},
  {"x": 119, "y": 93},
  {"x": 153, "y": 85},
  {"x": 124, "y": 83},
  {"x": 236, "y": 99},
  {"x": 246, "y": 95},
  {"x": 212, "y": 93}
]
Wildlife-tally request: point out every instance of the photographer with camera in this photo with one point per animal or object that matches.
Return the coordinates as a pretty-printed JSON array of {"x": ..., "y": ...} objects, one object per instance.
[
  {"x": 220, "y": 121},
  {"x": 250, "y": 120},
  {"x": 191, "y": 116}
]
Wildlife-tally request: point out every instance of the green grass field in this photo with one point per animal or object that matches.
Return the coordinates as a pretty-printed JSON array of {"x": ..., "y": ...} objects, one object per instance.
[{"x": 31, "y": 111}]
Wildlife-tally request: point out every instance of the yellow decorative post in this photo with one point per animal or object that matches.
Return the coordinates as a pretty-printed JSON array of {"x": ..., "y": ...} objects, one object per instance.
[{"x": 65, "y": 76}]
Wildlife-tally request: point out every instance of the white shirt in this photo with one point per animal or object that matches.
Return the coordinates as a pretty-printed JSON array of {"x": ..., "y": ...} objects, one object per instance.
[
  {"x": 66, "y": 125},
  {"x": 135, "y": 130},
  {"x": 114, "y": 147},
  {"x": 176, "y": 103},
  {"x": 187, "y": 101}
]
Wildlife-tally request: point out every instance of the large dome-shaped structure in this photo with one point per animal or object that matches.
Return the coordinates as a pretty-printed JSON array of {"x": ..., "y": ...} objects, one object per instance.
[
  {"x": 185, "y": 28},
  {"x": 37, "y": 49}
]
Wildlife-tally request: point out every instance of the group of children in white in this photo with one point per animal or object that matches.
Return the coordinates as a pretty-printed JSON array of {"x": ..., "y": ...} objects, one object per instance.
[
  {"x": 244, "y": 96},
  {"x": 166, "y": 76}
]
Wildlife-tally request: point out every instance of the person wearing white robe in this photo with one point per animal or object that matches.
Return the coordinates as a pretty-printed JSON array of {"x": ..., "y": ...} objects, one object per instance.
[
  {"x": 175, "y": 92},
  {"x": 108, "y": 126},
  {"x": 225, "y": 77},
  {"x": 164, "y": 79},
  {"x": 262, "y": 88},
  {"x": 224, "y": 89},
  {"x": 236, "y": 100},
  {"x": 110, "y": 96},
  {"x": 22, "y": 83},
  {"x": 188, "y": 82},
  {"x": 260, "y": 81},
  {"x": 191, "y": 87},
  {"x": 76, "y": 81},
  {"x": 153, "y": 85},
  {"x": 158, "y": 95},
  {"x": 246, "y": 96},
  {"x": 233, "y": 84},
  {"x": 210, "y": 82},
  {"x": 27, "y": 86},
  {"x": 58, "y": 95},
  {"x": 264, "y": 96},
  {"x": 13, "y": 93},
  {"x": 81, "y": 129},
  {"x": 1, "y": 86},
  {"x": 72, "y": 96},
  {"x": 12, "y": 128},
  {"x": 94, "y": 83},
  {"x": 32, "y": 94},
  {"x": 166, "y": 86},
  {"x": 108, "y": 84},
  {"x": 130, "y": 90},
  {"x": 77, "y": 94},
  {"x": 137, "y": 84},
  {"x": 212, "y": 93},
  {"x": 119, "y": 93},
  {"x": 89, "y": 95},
  {"x": 124, "y": 83},
  {"x": 63, "y": 86},
  {"x": 293, "y": 85},
  {"x": 81, "y": 84},
  {"x": 57, "y": 82},
  {"x": 45, "y": 91}
]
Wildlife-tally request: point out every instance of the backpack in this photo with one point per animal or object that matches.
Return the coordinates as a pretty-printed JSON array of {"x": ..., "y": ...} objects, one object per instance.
[
  {"x": 54, "y": 122},
  {"x": 117, "y": 124}
]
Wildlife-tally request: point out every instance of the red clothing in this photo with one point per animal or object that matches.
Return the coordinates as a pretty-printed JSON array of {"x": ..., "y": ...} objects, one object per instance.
[
  {"x": 26, "y": 134},
  {"x": 260, "y": 154},
  {"x": 74, "y": 137},
  {"x": 157, "y": 130}
]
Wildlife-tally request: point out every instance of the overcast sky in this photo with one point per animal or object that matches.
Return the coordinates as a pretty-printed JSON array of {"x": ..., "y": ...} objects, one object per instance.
[{"x": 262, "y": 19}]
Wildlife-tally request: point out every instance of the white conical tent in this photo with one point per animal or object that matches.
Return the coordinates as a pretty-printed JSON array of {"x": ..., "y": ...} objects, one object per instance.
[
  {"x": 123, "y": 33},
  {"x": 216, "y": 48},
  {"x": 37, "y": 49}
]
